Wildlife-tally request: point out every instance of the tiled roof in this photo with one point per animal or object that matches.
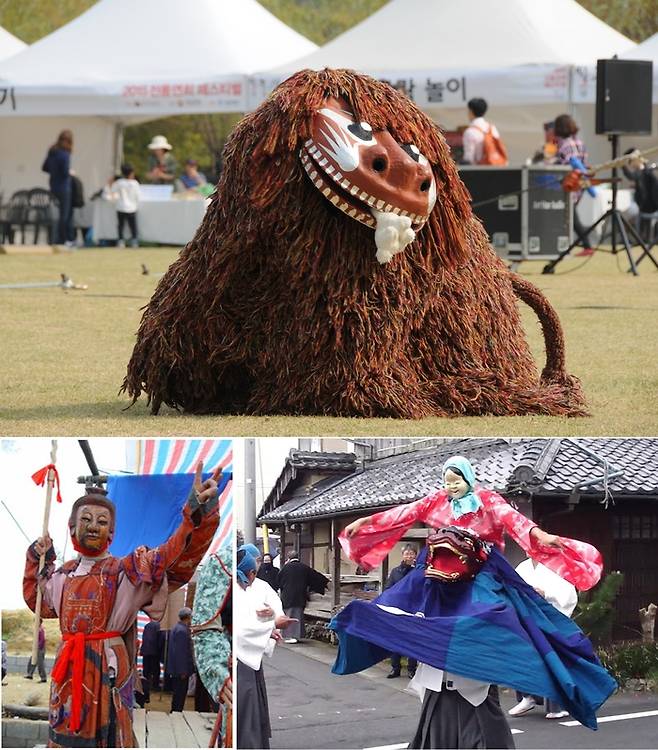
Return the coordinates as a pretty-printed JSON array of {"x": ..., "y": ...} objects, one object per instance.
[{"x": 541, "y": 466}]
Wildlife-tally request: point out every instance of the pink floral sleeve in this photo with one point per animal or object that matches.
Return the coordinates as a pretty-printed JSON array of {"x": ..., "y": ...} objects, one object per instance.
[
  {"x": 373, "y": 541},
  {"x": 577, "y": 562}
]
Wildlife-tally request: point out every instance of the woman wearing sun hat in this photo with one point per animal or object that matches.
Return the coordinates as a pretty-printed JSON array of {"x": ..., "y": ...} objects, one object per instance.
[{"x": 161, "y": 164}]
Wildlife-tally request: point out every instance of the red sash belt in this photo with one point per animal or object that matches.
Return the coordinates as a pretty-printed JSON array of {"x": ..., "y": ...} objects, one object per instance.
[{"x": 73, "y": 653}]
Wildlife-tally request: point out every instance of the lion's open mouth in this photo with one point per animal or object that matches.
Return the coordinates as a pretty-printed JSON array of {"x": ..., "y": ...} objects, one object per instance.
[{"x": 345, "y": 195}]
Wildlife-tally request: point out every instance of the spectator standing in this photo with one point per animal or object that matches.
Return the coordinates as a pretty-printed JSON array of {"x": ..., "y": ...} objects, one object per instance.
[
  {"x": 569, "y": 147},
  {"x": 268, "y": 572},
  {"x": 58, "y": 165},
  {"x": 395, "y": 576},
  {"x": 481, "y": 140},
  {"x": 151, "y": 653},
  {"x": 41, "y": 658},
  {"x": 180, "y": 659},
  {"x": 296, "y": 580},
  {"x": 124, "y": 192},
  {"x": 4, "y": 661},
  {"x": 161, "y": 164},
  {"x": 563, "y": 596}
]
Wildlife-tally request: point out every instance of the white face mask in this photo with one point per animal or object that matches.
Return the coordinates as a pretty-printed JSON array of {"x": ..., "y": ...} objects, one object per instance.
[{"x": 456, "y": 486}]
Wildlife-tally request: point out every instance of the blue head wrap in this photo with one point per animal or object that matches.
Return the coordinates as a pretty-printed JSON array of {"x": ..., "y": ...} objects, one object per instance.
[
  {"x": 246, "y": 564},
  {"x": 250, "y": 549},
  {"x": 470, "y": 502}
]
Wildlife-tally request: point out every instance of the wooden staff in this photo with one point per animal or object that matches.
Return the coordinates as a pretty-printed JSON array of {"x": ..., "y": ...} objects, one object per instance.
[{"x": 42, "y": 559}]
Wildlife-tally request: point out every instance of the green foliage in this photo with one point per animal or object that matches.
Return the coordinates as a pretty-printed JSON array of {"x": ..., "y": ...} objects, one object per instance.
[
  {"x": 631, "y": 660},
  {"x": 636, "y": 19},
  {"x": 31, "y": 20},
  {"x": 595, "y": 612},
  {"x": 322, "y": 20},
  {"x": 199, "y": 137}
]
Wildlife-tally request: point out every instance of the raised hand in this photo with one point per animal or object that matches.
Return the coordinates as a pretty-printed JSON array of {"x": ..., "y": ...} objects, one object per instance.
[
  {"x": 43, "y": 544},
  {"x": 205, "y": 490}
]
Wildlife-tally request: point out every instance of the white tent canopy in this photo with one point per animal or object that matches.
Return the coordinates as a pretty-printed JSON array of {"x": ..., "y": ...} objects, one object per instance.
[
  {"x": 517, "y": 54},
  {"x": 451, "y": 34},
  {"x": 153, "y": 57},
  {"x": 124, "y": 61},
  {"x": 9, "y": 44}
]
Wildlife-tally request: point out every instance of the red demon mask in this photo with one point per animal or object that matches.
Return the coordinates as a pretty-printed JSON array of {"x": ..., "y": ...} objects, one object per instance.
[
  {"x": 454, "y": 554},
  {"x": 368, "y": 175}
]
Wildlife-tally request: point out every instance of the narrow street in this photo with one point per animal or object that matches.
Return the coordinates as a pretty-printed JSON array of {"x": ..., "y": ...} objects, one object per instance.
[{"x": 312, "y": 708}]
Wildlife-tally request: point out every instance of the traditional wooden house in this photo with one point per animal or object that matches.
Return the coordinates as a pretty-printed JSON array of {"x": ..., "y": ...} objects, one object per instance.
[{"x": 601, "y": 490}]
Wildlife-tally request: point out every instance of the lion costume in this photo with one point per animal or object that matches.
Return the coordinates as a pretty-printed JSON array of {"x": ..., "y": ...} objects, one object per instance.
[{"x": 339, "y": 270}]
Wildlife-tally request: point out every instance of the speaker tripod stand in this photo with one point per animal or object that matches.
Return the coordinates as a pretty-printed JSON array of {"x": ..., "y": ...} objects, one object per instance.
[{"x": 617, "y": 224}]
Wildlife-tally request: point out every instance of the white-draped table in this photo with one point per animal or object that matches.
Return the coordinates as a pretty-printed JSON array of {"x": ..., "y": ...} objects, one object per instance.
[{"x": 169, "y": 222}]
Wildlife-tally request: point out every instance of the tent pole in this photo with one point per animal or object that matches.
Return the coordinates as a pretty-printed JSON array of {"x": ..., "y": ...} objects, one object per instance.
[{"x": 118, "y": 146}]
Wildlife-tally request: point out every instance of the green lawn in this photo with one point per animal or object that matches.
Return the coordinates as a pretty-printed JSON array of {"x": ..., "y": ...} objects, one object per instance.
[{"x": 65, "y": 353}]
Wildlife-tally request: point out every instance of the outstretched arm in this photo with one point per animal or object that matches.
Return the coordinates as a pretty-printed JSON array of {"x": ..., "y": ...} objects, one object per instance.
[
  {"x": 368, "y": 540},
  {"x": 180, "y": 555}
]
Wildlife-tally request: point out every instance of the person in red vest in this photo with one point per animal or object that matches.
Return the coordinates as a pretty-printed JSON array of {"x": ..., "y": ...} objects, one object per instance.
[{"x": 96, "y": 598}]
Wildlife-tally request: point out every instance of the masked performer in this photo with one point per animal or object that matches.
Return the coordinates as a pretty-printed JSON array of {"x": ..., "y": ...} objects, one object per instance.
[
  {"x": 96, "y": 598},
  {"x": 467, "y": 616}
]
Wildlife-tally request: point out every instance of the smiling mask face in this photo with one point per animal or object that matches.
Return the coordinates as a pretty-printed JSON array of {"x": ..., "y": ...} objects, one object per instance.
[{"x": 369, "y": 176}]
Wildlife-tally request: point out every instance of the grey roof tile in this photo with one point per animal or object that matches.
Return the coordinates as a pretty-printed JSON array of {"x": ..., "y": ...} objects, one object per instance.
[{"x": 543, "y": 466}]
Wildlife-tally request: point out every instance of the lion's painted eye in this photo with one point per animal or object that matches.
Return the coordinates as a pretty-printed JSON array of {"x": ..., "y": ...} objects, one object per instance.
[
  {"x": 412, "y": 150},
  {"x": 361, "y": 130}
]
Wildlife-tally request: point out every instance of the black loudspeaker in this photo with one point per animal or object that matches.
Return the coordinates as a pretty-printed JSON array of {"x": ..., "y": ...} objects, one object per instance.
[{"x": 623, "y": 97}]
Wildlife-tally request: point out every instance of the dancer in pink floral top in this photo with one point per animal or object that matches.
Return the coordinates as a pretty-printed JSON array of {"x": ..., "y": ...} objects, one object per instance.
[{"x": 368, "y": 540}]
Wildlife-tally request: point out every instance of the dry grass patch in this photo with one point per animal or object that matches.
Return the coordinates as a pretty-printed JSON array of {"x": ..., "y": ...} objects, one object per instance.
[{"x": 65, "y": 353}]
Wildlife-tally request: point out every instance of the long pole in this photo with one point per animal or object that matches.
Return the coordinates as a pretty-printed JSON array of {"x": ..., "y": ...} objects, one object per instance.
[
  {"x": 250, "y": 491},
  {"x": 42, "y": 559}
]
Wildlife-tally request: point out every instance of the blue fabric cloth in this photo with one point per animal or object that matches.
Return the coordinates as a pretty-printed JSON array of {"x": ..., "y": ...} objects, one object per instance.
[
  {"x": 469, "y": 502},
  {"x": 180, "y": 660},
  {"x": 495, "y": 629},
  {"x": 149, "y": 507}
]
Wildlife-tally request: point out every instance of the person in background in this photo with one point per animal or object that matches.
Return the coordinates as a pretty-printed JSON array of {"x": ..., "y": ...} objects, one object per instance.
[
  {"x": 57, "y": 164},
  {"x": 296, "y": 579},
  {"x": 124, "y": 192},
  {"x": 563, "y": 596},
  {"x": 41, "y": 657},
  {"x": 549, "y": 149},
  {"x": 395, "y": 576},
  {"x": 161, "y": 163},
  {"x": 191, "y": 179},
  {"x": 4, "y": 661},
  {"x": 644, "y": 177},
  {"x": 180, "y": 659},
  {"x": 569, "y": 146},
  {"x": 256, "y": 631},
  {"x": 474, "y": 136},
  {"x": 151, "y": 651},
  {"x": 268, "y": 573}
]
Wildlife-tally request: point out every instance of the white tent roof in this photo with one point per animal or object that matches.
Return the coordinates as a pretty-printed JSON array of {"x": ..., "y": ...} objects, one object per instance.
[
  {"x": 9, "y": 44},
  {"x": 151, "y": 57},
  {"x": 447, "y": 34},
  {"x": 646, "y": 50}
]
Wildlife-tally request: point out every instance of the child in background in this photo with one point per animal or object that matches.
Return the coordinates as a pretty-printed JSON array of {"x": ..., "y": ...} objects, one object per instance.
[{"x": 124, "y": 191}]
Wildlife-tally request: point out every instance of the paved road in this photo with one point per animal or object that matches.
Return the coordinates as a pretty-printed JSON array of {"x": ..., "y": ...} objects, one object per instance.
[{"x": 311, "y": 708}]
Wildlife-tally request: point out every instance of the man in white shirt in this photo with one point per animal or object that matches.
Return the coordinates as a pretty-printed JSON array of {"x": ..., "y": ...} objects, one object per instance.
[
  {"x": 563, "y": 596},
  {"x": 473, "y": 138},
  {"x": 259, "y": 615}
]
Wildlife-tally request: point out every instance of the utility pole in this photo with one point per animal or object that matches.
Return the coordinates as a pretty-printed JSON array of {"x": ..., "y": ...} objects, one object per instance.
[{"x": 250, "y": 491}]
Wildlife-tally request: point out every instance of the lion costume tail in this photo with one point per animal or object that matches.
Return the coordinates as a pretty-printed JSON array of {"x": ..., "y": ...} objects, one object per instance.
[{"x": 554, "y": 373}]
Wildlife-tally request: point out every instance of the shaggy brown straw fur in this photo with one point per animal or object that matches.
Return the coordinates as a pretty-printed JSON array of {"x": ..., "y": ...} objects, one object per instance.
[{"x": 278, "y": 305}]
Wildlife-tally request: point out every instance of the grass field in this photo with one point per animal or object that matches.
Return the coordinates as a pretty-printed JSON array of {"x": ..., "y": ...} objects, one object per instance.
[{"x": 64, "y": 353}]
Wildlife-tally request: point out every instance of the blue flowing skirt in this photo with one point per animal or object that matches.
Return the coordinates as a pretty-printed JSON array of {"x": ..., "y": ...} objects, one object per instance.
[{"x": 495, "y": 628}]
